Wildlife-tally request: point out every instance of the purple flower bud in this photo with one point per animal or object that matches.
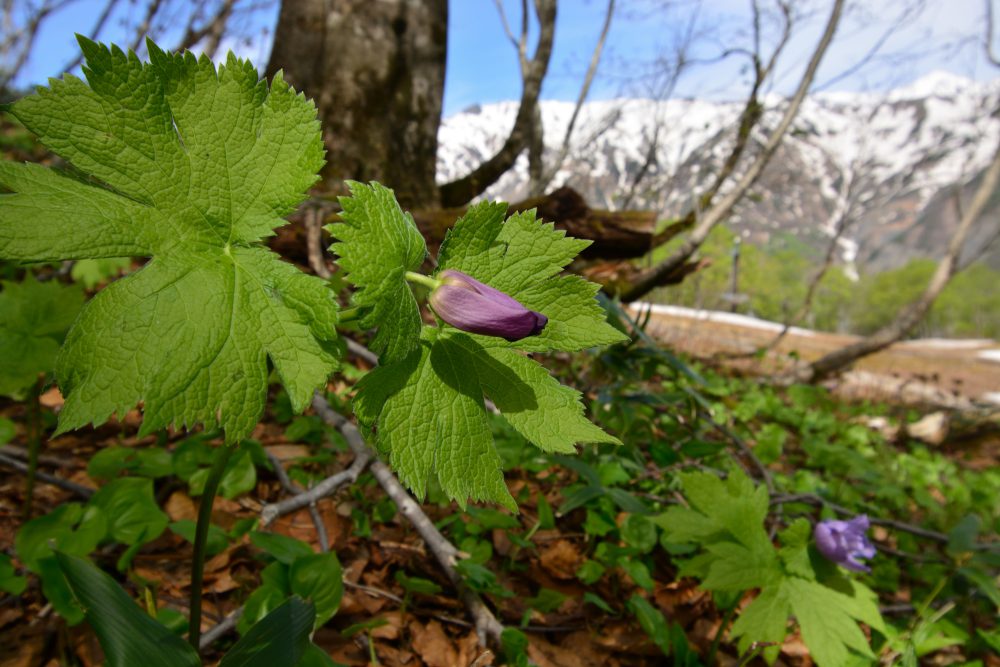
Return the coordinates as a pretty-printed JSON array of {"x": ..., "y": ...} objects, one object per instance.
[
  {"x": 845, "y": 542},
  {"x": 469, "y": 305}
]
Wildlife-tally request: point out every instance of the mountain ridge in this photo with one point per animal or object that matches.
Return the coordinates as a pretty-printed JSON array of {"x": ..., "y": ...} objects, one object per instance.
[{"x": 881, "y": 161}]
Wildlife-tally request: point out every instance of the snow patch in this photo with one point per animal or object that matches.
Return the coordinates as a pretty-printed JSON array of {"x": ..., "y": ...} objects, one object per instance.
[
  {"x": 990, "y": 355},
  {"x": 949, "y": 343},
  {"x": 717, "y": 316}
]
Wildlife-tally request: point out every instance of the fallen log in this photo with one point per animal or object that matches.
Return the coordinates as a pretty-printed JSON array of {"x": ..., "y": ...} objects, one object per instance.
[{"x": 615, "y": 234}]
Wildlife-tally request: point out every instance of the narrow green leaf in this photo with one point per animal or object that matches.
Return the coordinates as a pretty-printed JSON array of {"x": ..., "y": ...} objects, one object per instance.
[
  {"x": 127, "y": 634},
  {"x": 280, "y": 638},
  {"x": 652, "y": 621}
]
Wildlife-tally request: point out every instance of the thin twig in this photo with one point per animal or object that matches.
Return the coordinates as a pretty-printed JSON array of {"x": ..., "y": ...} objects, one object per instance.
[
  {"x": 16, "y": 452},
  {"x": 487, "y": 625},
  {"x": 327, "y": 487},
  {"x": 744, "y": 447},
  {"x": 314, "y": 242},
  {"x": 291, "y": 487},
  {"x": 371, "y": 590},
  {"x": 219, "y": 630},
  {"x": 64, "y": 484},
  {"x": 361, "y": 352}
]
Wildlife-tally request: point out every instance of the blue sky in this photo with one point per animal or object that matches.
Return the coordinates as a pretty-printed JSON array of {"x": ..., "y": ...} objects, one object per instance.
[{"x": 482, "y": 64}]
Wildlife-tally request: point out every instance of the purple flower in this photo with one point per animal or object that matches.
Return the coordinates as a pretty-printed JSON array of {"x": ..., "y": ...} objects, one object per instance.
[
  {"x": 845, "y": 542},
  {"x": 469, "y": 305}
]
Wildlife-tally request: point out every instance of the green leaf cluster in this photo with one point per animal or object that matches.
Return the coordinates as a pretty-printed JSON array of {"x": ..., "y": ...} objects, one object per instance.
[
  {"x": 190, "y": 166},
  {"x": 123, "y": 510},
  {"x": 726, "y": 520},
  {"x": 426, "y": 405},
  {"x": 295, "y": 570}
]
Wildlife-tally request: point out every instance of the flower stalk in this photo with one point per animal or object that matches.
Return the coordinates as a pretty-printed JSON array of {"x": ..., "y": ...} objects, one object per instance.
[{"x": 215, "y": 474}]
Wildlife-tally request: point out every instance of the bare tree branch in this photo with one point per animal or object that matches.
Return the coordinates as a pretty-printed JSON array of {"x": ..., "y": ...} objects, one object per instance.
[
  {"x": 749, "y": 118},
  {"x": 64, "y": 484},
  {"x": 314, "y": 242},
  {"x": 327, "y": 487},
  {"x": 990, "y": 53},
  {"x": 147, "y": 22},
  {"x": 25, "y": 37},
  {"x": 842, "y": 222},
  {"x": 212, "y": 31},
  {"x": 461, "y": 191},
  {"x": 109, "y": 7},
  {"x": 912, "y": 314},
  {"x": 546, "y": 176},
  {"x": 228, "y": 624},
  {"x": 651, "y": 278},
  {"x": 910, "y": 13},
  {"x": 487, "y": 626}
]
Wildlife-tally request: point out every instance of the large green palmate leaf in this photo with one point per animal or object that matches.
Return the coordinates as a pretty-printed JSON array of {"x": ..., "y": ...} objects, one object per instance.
[
  {"x": 727, "y": 519},
  {"x": 34, "y": 317},
  {"x": 378, "y": 244},
  {"x": 191, "y": 166},
  {"x": 427, "y": 410}
]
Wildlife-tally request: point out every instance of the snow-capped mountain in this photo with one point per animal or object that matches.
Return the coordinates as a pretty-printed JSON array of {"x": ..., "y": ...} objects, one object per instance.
[{"x": 887, "y": 164}]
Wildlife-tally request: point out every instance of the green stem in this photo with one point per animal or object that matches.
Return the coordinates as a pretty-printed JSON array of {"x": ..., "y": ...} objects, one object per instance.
[
  {"x": 421, "y": 279},
  {"x": 714, "y": 648},
  {"x": 349, "y": 315},
  {"x": 201, "y": 540},
  {"x": 34, "y": 424}
]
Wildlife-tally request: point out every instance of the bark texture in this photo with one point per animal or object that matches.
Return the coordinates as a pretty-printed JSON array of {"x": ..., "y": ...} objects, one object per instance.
[{"x": 375, "y": 69}]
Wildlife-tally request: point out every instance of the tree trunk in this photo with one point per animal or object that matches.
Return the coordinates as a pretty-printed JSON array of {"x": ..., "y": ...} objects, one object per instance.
[{"x": 376, "y": 72}]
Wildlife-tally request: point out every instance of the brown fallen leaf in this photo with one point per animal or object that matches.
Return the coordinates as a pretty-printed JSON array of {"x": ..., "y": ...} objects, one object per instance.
[
  {"x": 52, "y": 399},
  {"x": 433, "y": 645},
  {"x": 180, "y": 506},
  {"x": 394, "y": 622},
  {"x": 472, "y": 654},
  {"x": 572, "y": 654},
  {"x": 288, "y": 452},
  {"x": 561, "y": 559},
  {"x": 26, "y": 654}
]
